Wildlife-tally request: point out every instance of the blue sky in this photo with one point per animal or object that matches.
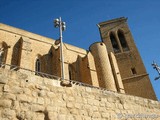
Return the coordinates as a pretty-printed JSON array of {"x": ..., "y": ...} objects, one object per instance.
[{"x": 81, "y": 17}]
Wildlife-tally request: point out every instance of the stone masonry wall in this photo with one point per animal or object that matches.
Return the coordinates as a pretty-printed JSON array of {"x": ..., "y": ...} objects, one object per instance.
[{"x": 30, "y": 97}]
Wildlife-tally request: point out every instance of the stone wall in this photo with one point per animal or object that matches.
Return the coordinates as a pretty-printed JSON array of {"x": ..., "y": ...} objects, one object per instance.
[{"x": 30, "y": 97}]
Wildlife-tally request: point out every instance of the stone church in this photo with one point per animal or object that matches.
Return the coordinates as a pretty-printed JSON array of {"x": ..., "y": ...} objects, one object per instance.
[{"x": 113, "y": 63}]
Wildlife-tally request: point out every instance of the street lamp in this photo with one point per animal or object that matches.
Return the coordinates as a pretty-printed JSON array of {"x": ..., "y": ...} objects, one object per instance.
[{"x": 62, "y": 26}]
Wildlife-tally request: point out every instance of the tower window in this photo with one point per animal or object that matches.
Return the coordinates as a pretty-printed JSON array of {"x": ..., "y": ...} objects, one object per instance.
[
  {"x": 123, "y": 41},
  {"x": 133, "y": 71},
  {"x": 114, "y": 43}
]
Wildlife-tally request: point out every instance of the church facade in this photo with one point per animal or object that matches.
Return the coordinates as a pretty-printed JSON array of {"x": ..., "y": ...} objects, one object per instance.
[{"x": 114, "y": 63}]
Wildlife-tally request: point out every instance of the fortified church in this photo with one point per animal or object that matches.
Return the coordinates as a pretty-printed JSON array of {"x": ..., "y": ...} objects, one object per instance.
[{"x": 113, "y": 63}]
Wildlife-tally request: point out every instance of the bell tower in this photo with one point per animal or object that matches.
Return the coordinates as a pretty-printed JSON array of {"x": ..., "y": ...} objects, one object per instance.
[{"x": 115, "y": 34}]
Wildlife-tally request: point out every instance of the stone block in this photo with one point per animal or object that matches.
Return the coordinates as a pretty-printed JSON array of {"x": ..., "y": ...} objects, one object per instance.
[
  {"x": 77, "y": 105},
  {"x": 102, "y": 104},
  {"x": 41, "y": 87},
  {"x": 37, "y": 108},
  {"x": 64, "y": 97},
  {"x": 90, "y": 101},
  {"x": 77, "y": 117},
  {"x": 51, "y": 94},
  {"x": 87, "y": 118},
  {"x": 5, "y": 103},
  {"x": 16, "y": 90},
  {"x": 126, "y": 106},
  {"x": 40, "y": 116},
  {"x": 88, "y": 89},
  {"x": 52, "y": 108},
  {"x": 105, "y": 115},
  {"x": 96, "y": 102},
  {"x": 47, "y": 101},
  {"x": 68, "y": 91},
  {"x": 70, "y": 105},
  {"x": 3, "y": 79},
  {"x": 52, "y": 116},
  {"x": 1, "y": 87},
  {"x": 71, "y": 98},
  {"x": 34, "y": 93},
  {"x": 24, "y": 106},
  {"x": 63, "y": 110},
  {"x": 94, "y": 108},
  {"x": 96, "y": 115},
  {"x": 61, "y": 117},
  {"x": 29, "y": 115},
  {"x": 83, "y": 112},
  {"x": 27, "y": 91},
  {"x": 22, "y": 76},
  {"x": 40, "y": 100},
  {"x": 7, "y": 113},
  {"x": 74, "y": 111},
  {"x": 63, "y": 103},
  {"x": 9, "y": 96},
  {"x": 6, "y": 88},
  {"x": 42, "y": 93},
  {"x": 70, "y": 117},
  {"x": 102, "y": 109},
  {"x": 15, "y": 105},
  {"x": 22, "y": 98},
  {"x": 108, "y": 105}
]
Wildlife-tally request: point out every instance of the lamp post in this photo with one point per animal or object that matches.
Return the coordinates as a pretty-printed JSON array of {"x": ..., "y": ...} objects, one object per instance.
[{"x": 58, "y": 23}]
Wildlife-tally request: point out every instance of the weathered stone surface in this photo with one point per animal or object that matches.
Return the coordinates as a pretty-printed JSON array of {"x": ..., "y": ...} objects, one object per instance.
[
  {"x": 22, "y": 98},
  {"x": 7, "y": 113},
  {"x": 9, "y": 96},
  {"x": 52, "y": 116},
  {"x": 40, "y": 100},
  {"x": 27, "y": 91},
  {"x": 74, "y": 111},
  {"x": 39, "y": 116},
  {"x": 70, "y": 105},
  {"x": 37, "y": 108},
  {"x": 3, "y": 79},
  {"x": 96, "y": 115},
  {"x": 6, "y": 88},
  {"x": 51, "y": 94},
  {"x": 5, "y": 103},
  {"x": 1, "y": 87},
  {"x": 15, "y": 105},
  {"x": 16, "y": 90},
  {"x": 52, "y": 109},
  {"x": 62, "y": 117},
  {"x": 35, "y": 103},
  {"x": 105, "y": 115}
]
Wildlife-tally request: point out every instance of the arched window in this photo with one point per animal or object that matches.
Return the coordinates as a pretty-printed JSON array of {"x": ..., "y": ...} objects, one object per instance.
[
  {"x": 3, "y": 53},
  {"x": 114, "y": 43},
  {"x": 70, "y": 72},
  {"x": 122, "y": 40},
  {"x": 70, "y": 75},
  {"x": 37, "y": 66}
]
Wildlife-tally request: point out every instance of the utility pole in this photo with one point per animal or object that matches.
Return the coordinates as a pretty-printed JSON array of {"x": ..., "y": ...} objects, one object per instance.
[{"x": 58, "y": 23}]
